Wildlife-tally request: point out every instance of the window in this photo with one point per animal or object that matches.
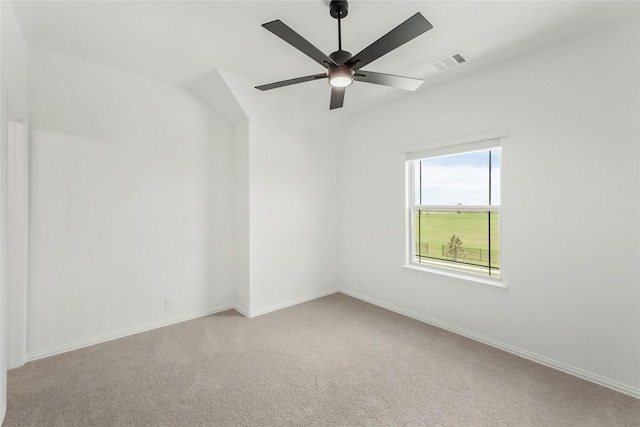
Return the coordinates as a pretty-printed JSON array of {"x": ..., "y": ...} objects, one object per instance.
[{"x": 454, "y": 207}]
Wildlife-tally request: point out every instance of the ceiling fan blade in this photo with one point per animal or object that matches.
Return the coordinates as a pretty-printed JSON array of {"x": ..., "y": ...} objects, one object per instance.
[
  {"x": 291, "y": 81},
  {"x": 337, "y": 97},
  {"x": 407, "y": 31},
  {"x": 406, "y": 83},
  {"x": 281, "y": 30}
]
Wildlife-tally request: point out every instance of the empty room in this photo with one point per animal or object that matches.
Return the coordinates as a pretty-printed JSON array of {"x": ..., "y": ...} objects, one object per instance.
[{"x": 320, "y": 213}]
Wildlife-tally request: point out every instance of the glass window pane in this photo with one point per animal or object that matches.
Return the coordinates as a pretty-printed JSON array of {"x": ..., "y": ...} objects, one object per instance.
[
  {"x": 459, "y": 240},
  {"x": 460, "y": 179}
]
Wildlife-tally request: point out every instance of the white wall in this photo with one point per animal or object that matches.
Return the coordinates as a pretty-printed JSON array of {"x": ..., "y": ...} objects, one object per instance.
[
  {"x": 214, "y": 89},
  {"x": 570, "y": 194},
  {"x": 293, "y": 215},
  {"x": 128, "y": 176},
  {"x": 131, "y": 183},
  {"x": 13, "y": 86},
  {"x": 286, "y": 196}
]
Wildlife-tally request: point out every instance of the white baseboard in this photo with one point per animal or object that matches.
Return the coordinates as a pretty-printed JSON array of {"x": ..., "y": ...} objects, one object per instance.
[
  {"x": 126, "y": 332},
  {"x": 241, "y": 310},
  {"x": 289, "y": 303},
  {"x": 614, "y": 385}
]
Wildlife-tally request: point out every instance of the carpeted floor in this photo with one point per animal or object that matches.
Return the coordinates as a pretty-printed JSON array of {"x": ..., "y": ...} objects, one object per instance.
[{"x": 332, "y": 361}]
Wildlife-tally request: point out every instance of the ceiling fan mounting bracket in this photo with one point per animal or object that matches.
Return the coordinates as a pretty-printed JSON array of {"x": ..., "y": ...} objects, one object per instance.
[{"x": 339, "y": 8}]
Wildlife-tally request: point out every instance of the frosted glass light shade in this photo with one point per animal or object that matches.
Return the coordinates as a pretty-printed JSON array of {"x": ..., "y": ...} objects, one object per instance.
[{"x": 340, "y": 77}]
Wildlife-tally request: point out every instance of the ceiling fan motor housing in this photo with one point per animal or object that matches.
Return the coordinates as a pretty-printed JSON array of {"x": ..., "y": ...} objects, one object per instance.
[
  {"x": 340, "y": 56},
  {"x": 339, "y": 8}
]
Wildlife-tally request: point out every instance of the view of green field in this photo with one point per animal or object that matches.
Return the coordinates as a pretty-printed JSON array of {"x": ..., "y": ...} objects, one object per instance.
[{"x": 434, "y": 230}]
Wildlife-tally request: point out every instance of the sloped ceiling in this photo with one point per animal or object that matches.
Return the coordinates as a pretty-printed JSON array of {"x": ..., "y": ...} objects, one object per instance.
[{"x": 181, "y": 41}]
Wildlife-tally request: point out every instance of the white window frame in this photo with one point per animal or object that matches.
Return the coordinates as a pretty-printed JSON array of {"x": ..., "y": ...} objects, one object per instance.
[{"x": 457, "y": 145}]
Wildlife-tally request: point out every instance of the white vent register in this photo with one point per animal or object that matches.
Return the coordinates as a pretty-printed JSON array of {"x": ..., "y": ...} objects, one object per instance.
[{"x": 450, "y": 61}]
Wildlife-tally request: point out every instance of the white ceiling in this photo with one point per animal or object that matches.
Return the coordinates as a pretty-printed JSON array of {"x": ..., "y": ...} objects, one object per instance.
[{"x": 180, "y": 41}]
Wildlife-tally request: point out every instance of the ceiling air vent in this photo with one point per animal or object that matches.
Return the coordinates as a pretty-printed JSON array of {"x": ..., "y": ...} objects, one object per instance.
[{"x": 450, "y": 61}]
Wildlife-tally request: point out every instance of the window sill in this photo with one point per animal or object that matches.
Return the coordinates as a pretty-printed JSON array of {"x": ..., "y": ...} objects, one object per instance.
[{"x": 492, "y": 283}]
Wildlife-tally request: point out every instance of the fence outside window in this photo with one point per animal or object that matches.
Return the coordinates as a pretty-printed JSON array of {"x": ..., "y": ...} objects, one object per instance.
[{"x": 472, "y": 256}]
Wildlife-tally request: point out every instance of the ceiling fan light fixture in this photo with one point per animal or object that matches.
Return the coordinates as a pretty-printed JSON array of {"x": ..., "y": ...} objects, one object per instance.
[{"x": 340, "y": 76}]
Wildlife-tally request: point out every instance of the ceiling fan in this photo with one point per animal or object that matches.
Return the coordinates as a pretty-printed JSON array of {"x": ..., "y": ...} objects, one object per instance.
[{"x": 343, "y": 68}]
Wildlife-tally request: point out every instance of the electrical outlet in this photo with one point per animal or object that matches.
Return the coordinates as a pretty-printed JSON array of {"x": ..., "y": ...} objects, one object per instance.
[
  {"x": 168, "y": 303},
  {"x": 359, "y": 283}
]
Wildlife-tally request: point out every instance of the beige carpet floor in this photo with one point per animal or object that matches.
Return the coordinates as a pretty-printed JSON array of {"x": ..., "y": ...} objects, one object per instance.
[{"x": 332, "y": 361}]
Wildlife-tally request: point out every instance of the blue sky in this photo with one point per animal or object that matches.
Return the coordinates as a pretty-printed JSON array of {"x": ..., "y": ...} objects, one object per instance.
[{"x": 460, "y": 179}]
